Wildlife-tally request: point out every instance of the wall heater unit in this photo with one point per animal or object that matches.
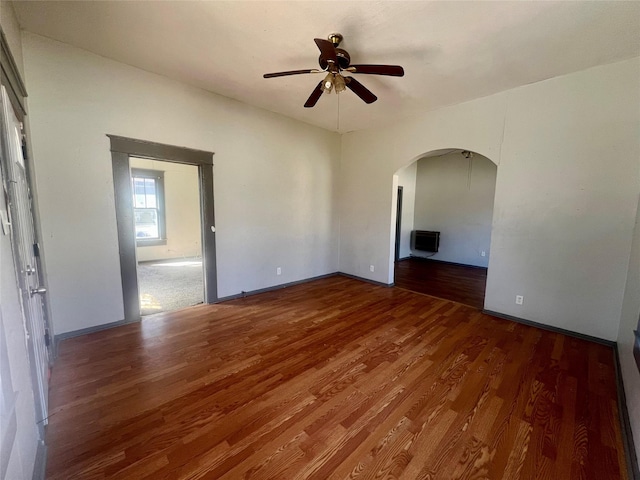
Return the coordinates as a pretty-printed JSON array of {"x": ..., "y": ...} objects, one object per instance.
[{"x": 425, "y": 240}]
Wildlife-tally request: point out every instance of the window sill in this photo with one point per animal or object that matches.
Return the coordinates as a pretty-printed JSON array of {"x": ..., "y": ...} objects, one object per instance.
[{"x": 151, "y": 243}]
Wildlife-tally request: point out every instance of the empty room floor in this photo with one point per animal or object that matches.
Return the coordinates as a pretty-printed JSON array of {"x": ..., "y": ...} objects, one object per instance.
[
  {"x": 170, "y": 285},
  {"x": 459, "y": 283},
  {"x": 335, "y": 378}
]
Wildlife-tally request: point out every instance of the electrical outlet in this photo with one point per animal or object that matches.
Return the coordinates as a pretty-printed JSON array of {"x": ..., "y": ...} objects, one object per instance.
[
  {"x": 483, "y": 253},
  {"x": 372, "y": 268},
  {"x": 519, "y": 299},
  {"x": 278, "y": 271}
]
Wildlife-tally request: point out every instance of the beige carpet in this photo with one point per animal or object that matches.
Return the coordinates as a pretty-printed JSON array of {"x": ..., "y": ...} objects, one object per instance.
[{"x": 170, "y": 285}]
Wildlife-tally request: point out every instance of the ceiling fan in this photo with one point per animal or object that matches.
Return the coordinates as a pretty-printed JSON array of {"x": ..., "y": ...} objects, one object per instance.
[{"x": 334, "y": 61}]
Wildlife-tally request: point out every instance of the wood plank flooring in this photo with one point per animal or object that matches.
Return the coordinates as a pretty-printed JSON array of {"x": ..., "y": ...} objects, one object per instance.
[
  {"x": 460, "y": 283},
  {"x": 333, "y": 379}
]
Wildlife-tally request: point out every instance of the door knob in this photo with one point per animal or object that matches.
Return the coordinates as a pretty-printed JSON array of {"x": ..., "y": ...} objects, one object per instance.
[
  {"x": 38, "y": 291},
  {"x": 29, "y": 270}
]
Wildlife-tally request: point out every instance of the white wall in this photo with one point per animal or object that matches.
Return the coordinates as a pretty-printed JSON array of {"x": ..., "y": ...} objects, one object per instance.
[
  {"x": 454, "y": 196},
  {"x": 274, "y": 178},
  {"x": 629, "y": 323},
  {"x": 182, "y": 211},
  {"x": 22, "y": 456},
  {"x": 566, "y": 192},
  {"x": 407, "y": 180}
]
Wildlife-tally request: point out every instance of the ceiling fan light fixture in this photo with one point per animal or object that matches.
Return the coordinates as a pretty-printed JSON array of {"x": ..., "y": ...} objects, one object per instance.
[
  {"x": 327, "y": 83},
  {"x": 338, "y": 84}
]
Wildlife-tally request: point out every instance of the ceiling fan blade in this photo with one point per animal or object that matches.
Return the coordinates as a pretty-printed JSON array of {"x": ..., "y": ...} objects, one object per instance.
[
  {"x": 356, "y": 87},
  {"x": 327, "y": 50},
  {"x": 391, "y": 70},
  {"x": 314, "y": 97},
  {"x": 291, "y": 72}
]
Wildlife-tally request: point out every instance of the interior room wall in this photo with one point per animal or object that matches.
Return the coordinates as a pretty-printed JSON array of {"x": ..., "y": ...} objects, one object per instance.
[
  {"x": 629, "y": 323},
  {"x": 22, "y": 455},
  {"x": 182, "y": 211},
  {"x": 407, "y": 180},
  {"x": 274, "y": 178},
  {"x": 454, "y": 196},
  {"x": 563, "y": 212}
]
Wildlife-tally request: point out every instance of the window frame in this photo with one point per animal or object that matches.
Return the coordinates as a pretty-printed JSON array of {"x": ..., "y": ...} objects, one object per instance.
[{"x": 158, "y": 176}]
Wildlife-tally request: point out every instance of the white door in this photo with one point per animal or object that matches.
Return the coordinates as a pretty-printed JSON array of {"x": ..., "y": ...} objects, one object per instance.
[{"x": 24, "y": 244}]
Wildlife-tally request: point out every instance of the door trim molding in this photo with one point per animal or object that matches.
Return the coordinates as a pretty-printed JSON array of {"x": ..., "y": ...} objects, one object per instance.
[
  {"x": 121, "y": 149},
  {"x": 399, "y": 207},
  {"x": 625, "y": 422},
  {"x": 126, "y": 236},
  {"x": 40, "y": 465},
  {"x": 160, "y": 151},
  {"x": 11, "y": 78}
]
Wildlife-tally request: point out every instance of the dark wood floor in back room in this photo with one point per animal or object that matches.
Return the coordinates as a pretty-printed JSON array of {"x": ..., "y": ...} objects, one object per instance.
[
  {"x": 333, "y": 379},
  {"x": 459, "y": 283}
]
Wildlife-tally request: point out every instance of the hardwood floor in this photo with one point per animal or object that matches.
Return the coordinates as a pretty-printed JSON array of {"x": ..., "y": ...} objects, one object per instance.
[
  {"x": 333, "y": 379},
  {"x": 460, "y": 283}
]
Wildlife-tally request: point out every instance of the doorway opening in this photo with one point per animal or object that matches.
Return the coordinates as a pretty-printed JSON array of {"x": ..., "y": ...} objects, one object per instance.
[
  {"x": 165, "y": 218},
  {"x": 398, "y": 223},
  {"x": 443, "y": 225},
  {"x": 167, "y": 227}
]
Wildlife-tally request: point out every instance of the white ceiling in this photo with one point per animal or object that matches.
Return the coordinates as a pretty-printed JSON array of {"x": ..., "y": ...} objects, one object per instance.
[{"x": 451, "y": 51}]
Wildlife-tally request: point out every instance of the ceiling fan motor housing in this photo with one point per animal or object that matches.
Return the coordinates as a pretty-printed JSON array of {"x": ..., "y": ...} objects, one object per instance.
[{"x": 344, "y": 59}]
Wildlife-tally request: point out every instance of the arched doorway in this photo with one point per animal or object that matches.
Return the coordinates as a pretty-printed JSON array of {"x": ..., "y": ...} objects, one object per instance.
[{"x": 443, "y": 215}]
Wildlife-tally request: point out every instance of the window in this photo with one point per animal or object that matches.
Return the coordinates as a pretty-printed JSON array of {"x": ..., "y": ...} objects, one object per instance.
[{"x": 148, "y": 206}]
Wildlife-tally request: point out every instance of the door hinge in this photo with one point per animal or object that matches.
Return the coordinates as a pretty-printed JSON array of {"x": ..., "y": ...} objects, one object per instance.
[
  {"x": 36, "y": 250},
  {"x": 47, "y": 339}
]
